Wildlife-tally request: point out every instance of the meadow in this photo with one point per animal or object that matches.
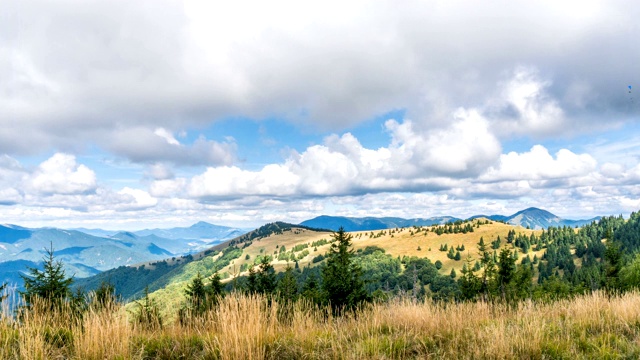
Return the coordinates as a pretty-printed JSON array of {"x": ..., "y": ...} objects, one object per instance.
[{"x": 593, "y": 326}]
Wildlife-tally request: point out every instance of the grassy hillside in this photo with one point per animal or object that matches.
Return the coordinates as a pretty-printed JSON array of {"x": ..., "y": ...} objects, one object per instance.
[{"x": 234, "y": 262}]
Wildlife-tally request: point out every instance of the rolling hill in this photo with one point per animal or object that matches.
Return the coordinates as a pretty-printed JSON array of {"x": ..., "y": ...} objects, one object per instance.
[{"x": 167, "y": 279}]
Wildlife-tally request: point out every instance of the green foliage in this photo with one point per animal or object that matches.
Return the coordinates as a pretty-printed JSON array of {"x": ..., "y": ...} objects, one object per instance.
[
  {"x": 104, "y": 296},
  {"x": 50, "y": 284},
  {"x": 342, "y": 278},
  {"x": 613, "y": 265},
  {"x": 469, "y": 283},
  {"x": 147, "y": 313},
  {"x": 201, "y": 297},
  {"x": 287, "y": 295},
  {"x": 264, "y": 280},
  {"x": 630, "y": 274}
]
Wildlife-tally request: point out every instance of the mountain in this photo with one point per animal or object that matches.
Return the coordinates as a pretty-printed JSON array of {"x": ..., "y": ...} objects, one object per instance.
[
  {"x": 198, "y": 231},
  {"x": 130, "y": 281},
  {"x": 371, "y": 223},
  {"x": 534, "y": 218},
  {"x": 91, "y": 251},
  {"x": 82, "y": 254}
]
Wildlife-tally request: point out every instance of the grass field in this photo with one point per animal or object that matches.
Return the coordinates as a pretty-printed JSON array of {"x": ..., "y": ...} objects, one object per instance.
[
  {"x": 587, "y": 327},
  {"x": 396, "y": 242}
]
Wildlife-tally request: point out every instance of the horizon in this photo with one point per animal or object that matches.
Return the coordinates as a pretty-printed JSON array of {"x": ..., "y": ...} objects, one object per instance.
[
  {"x": 257, "y": 225},
  {"x": 111, "y": 118}
]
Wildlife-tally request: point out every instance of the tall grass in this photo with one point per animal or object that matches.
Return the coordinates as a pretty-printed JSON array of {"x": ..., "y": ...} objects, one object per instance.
[{"x": 249, "y": 327}]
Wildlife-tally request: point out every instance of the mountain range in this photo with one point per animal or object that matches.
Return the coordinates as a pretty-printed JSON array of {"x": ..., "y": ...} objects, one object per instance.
[
  {"x": 89, "y": 252},
  {"x": 532, "y": 218}
]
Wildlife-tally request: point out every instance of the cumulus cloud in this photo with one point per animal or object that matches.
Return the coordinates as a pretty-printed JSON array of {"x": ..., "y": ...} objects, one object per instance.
[
  {"x": 61, "y": 174},
  {"x": 60, "y": 182},
  {"x": 81, "y": 70},
  {"x": 538, "y": 164},
  {"x": 415, "y": 160}
]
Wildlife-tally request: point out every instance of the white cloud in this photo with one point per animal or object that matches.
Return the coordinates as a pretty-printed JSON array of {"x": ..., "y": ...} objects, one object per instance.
[
  {"x": 342, "y": 166},
  {"x": 61, "y": 174},
  {"x": 538, "y": 164},
  {"x": 525, "y": 107},
  {"x": 140, "y": 199},
  {"x": 81, "y": 70}
]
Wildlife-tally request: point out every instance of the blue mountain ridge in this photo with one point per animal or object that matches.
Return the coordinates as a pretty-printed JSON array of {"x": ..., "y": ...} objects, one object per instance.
[{"x": 533, "y": 218}]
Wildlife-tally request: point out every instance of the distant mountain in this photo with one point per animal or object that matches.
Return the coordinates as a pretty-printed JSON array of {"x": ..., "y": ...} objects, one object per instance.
[
  {"x": 534, "y": 218},
  {"x": 371, "y": 223},
  {"x": 82, "y": 254},
  {"x": 10, "y": 233},
  {"x": 91, "y": 252},
  {"x": 199, "y": 231},
  {"x": 130, "y": 281}
]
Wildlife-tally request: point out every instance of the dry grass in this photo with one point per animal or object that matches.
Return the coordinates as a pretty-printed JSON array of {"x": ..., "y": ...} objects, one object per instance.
[
  {"x": 399, "y": 242},
  {"x": 588, "y": 327}
]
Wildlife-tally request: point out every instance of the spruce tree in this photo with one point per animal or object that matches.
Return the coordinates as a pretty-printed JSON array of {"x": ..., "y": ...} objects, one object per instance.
[
  {"x": 50, "y": 284},
  {"x": 506, "y": 271},
  {"x": 288, "y": 286},
  {"x": 342, "y": 283}
]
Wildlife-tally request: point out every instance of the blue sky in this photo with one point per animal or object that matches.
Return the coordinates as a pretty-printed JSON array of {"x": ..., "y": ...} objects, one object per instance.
[{"x": 246, "y": 113}]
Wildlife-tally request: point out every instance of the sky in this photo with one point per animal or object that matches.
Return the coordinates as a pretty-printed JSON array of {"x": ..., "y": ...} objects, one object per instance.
[{"x": 140, "y": 114}]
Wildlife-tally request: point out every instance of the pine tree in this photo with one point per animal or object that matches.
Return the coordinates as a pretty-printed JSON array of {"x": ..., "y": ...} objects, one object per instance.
[
  {"x": 311, "y": 289},
  {"x": 342, "y": 278},
  {"x": 489, "y": 269},
  {"x": 50, "y": 284},
  {"x": 469, "y": 283},
  {"x": 196, "y": 294},
  {"x": 287, "y": 295},
  {"x": 506, "y": 270},
  {"x": 288, "y": 286},
  {"x": 147, "y": 313},
  {"x": 266, "y": 277}
]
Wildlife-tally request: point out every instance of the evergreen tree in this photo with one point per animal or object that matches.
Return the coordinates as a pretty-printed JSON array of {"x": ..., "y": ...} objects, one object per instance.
[
  {"x": 342, "y": 282},
  {"x": 288, "y": 286},
  {"x": 147, "y": 313},
  {"x": 506, "y": 270},
  {"x": 50, "y": 284},
  {"x": 196, "y": 294},
  {"x": 287, "y": 295},
  {"x": 489, "y": 269},
  {"x": 469, "y": 283},
  {"x": 311, "y": 289},
  {"x": 613, "y": 265},
  {"x": 266, "y": 277}
]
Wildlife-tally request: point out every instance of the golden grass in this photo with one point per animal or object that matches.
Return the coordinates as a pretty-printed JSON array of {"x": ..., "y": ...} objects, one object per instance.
[
  {"x": 403, "y": 242},
  {"x": 243, "y": 327}
]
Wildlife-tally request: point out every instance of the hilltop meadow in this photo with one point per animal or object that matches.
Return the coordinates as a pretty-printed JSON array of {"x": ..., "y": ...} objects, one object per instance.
[{"x": 469, "y": 290}]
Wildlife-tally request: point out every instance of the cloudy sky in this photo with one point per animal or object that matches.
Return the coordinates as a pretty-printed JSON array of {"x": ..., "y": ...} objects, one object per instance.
[{"x": 134, "y": 114}]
